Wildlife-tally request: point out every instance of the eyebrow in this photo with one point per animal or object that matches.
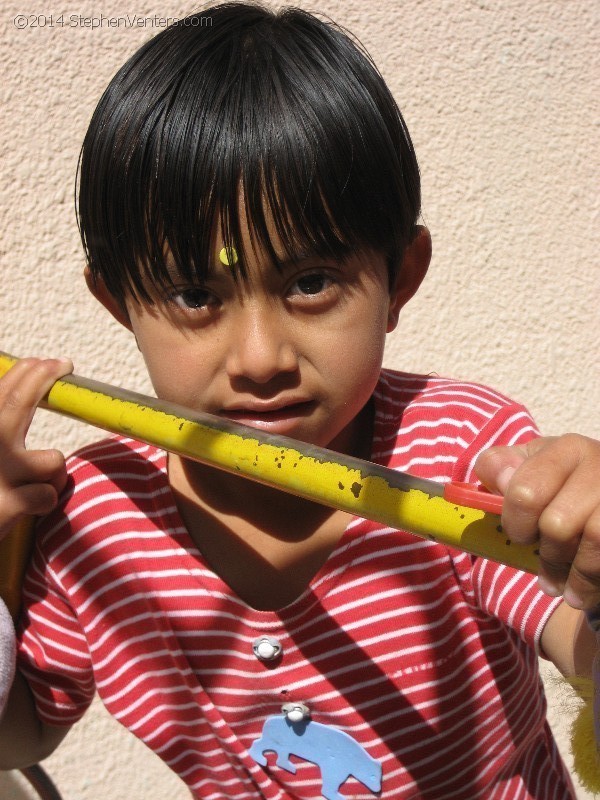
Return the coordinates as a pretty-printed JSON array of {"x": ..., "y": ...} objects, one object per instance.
[
  {"x": 175, "y": 273},
  {"x": 312, "y": 255}
]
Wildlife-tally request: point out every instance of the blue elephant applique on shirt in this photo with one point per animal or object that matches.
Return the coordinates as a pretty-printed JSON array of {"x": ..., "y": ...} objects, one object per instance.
[{"x": 337, "y": 754}]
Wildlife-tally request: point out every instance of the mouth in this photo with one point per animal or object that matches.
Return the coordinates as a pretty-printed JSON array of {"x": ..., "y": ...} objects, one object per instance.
[{"x": 276, "y": 417}]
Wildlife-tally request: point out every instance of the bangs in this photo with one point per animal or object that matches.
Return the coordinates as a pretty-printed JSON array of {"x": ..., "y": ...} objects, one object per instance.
[{"x": 275, "y": 124}]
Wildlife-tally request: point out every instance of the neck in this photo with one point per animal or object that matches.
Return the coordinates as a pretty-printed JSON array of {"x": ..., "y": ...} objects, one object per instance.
[
  {"x": 232, "y": 495},
  {"x": 235, "y": 497}
]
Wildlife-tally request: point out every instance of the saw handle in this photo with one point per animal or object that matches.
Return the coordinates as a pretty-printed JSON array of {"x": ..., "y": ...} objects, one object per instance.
[{"x": 473, "y": 496}]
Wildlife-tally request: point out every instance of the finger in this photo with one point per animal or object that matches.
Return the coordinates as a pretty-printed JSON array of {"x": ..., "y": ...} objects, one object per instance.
[
  {"x": 582, "y": 589},
  {"x": 33, "y": 499},
  {"x": 562, "y": 525},
  {"x": 22, "y": 389},
  {"x": 36, "y": 466},
  {"x": 496, "y": 465},
  {"x": 535, "y": 484}
]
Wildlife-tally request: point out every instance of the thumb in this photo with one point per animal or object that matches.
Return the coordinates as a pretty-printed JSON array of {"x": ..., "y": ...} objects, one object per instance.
[{"x": 496, "y": 466}]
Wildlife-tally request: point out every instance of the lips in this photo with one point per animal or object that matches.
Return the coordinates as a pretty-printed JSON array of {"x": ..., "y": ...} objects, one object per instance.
[{"x": 275, "y": 416}]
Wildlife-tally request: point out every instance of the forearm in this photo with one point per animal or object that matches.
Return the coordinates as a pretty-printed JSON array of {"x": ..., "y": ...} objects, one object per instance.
[
  {"x": 569, "y": 642},
  {"x": 24, "y": 739}
]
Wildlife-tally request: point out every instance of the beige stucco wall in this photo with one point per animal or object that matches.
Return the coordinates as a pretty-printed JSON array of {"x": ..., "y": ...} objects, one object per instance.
[{"x": 501, "y": 98}]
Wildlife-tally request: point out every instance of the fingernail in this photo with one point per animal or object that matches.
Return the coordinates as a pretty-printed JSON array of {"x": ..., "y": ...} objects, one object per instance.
[
  {"x": 572, "y": 599},
  {"x": 548, "y": 587},
  {"x": 504, "y": 478}
]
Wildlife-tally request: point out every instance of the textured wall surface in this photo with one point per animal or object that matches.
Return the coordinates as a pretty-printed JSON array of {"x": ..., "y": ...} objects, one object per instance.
[{"x": 501, "y": 99}]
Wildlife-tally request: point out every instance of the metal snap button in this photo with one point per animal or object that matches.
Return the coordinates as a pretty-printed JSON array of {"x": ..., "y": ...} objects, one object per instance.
[
  {"x": 267, "y": 648},
  {"x": 295, "y": 712}
]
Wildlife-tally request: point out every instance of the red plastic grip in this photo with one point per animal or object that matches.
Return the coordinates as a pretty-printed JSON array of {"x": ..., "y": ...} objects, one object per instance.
[{"x": 473, "y": 496}]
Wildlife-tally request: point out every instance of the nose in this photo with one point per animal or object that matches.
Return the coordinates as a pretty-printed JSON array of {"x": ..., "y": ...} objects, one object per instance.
[{"x": 260, "y": 346}]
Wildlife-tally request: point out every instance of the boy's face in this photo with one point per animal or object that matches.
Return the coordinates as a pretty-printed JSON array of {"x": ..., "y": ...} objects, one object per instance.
[{"x": 294, "y": 352}]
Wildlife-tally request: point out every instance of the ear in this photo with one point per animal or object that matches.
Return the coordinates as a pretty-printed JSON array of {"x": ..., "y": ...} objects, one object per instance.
[
  {"x": 413, "y": 269},
  {"x": 98, "y": 288}
]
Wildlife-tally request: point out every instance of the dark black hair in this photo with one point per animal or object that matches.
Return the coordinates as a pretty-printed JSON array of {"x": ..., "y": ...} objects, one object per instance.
[{"x": 282, "y": 109}]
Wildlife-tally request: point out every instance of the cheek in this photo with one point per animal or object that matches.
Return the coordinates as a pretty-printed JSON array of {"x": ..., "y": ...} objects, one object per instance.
[
  {"x": 354, "y": 353},
  {"x": 167, "y": 355},
  {"x": 366, "y": 333}
]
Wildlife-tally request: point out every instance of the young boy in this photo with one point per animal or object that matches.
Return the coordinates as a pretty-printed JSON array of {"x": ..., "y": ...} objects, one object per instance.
[{"x": 249, "y": 198}]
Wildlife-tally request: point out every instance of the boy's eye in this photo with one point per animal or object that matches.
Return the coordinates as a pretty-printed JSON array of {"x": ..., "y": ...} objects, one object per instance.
[
  {"x": 193, "y": 298},
  {"x": 311, "y": 284}
]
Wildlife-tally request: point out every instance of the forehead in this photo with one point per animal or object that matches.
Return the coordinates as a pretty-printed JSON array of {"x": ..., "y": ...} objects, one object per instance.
[
  {"x": 272, "y": 241},
  {"x": 229, "y": 259},
  {"x": 249, "y": 239}
]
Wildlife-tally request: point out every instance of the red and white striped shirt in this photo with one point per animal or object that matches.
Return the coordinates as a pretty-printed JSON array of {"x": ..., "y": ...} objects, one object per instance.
[{"x": 426, "y": 656}]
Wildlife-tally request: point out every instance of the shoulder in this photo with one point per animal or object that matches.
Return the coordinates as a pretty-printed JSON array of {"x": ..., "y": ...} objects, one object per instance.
[
  {"x": 105, "y": 479},
  {"x": 114, "y": 455},
  {"x": 400, "y": 396},
  {"x": 402, "y": 390},
  {"x": 433, "y": 420}
]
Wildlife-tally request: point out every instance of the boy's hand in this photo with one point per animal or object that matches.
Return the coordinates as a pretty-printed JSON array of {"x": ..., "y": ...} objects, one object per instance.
[
  {"x": 30, "y": 480},
  {"x": 551, "y": 489}
]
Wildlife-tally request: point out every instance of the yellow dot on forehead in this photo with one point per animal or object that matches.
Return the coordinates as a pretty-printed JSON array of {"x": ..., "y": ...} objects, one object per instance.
[{"x": 228, "y": 256}]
